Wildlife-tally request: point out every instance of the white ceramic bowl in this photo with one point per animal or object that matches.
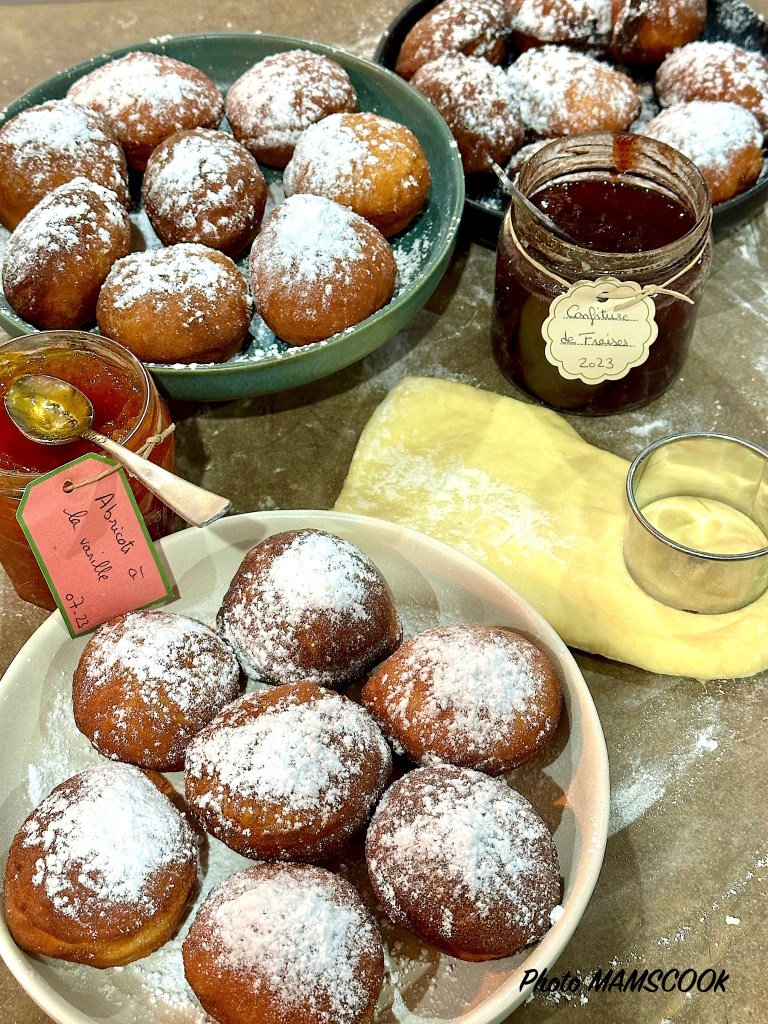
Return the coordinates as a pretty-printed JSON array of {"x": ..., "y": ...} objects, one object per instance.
[{"x": 567, "y": 783}]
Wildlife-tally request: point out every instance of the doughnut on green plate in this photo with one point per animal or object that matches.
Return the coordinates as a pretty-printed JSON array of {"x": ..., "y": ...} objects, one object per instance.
[{"x": 422, "y": 251}]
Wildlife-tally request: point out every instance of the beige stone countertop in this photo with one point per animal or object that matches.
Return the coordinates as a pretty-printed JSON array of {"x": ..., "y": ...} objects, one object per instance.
[{"x": 686, "y": 867}]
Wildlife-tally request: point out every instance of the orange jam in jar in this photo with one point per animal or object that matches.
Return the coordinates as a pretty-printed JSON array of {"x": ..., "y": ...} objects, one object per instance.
[{"x": 127, "y": 408}]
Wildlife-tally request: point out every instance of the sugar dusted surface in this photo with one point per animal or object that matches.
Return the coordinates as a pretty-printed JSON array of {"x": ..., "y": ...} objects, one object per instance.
[
  {"x": 311, "y": 239},
  {"x": 267, "y": 611},
  {"x": 562, "y": 21},
  {"x": 309, "y": 956},
  {"x": 466, "y": 682},
  {"x": 475, "y": 27},
  {"x": 343, "y": 154},
  {"x": 116, "y": 830},
  {"x": 206, "y": 176},
  {"x": 307, "y": 756},
  {"x": 72, "y": 137},
  {"x": 188, "y": 274},
  {"x": 274, "y": 102},
  {"x": 710, "y": 134},
  {"x": 141, "y": 86},
  {"x": 173, "y": 670},
  {"x": 715, "y": 71},
  {"x": 477, "y": 99},
  {"x": 480, "y": 838},
  {"x": 78, "y": 218},
  {"x": 554, "y": 83}
]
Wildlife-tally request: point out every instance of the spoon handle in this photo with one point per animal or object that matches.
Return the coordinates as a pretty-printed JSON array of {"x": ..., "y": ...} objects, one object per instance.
[{"x": 194, "y": 504}]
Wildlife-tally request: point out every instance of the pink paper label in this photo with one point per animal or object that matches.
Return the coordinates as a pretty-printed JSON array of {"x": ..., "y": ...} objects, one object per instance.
[{"x": 92, "y": 543}]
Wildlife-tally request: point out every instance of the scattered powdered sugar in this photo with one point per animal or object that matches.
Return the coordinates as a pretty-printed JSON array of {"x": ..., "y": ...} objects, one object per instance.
[
  {"x": 102, "y": 836},
  {"x": 274, "y": 102},
  {"x": 151, "y": 680},
  {"x": 162, "y": 654},
  {"x": 562, "y": 21},
  {"x": 711, "y": 134},
  {"x": 440, "y": 830},
  {"x": 306, "y": 756},
  {"x": 346, "y": 153},
  {"x": 317, "y": 581},
  {"x": 309, "y": 955},
  {"x": 311, "y": 239}
]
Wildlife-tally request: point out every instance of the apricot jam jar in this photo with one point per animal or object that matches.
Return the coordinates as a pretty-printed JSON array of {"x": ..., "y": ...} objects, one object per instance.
[
  {"x": 623, "y": 207},
  {"x": 127, "y": 408}
]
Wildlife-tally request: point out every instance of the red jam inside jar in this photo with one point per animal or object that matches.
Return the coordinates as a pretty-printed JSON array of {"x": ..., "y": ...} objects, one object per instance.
[
  {"x": 630, "y": 208},
  {"x": 127, "y": 408}
]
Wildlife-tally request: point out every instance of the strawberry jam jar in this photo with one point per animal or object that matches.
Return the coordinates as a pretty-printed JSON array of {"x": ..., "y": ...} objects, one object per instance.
[
  {"x": 623, "y": 207},
  {"x": 127, "y": 408}
]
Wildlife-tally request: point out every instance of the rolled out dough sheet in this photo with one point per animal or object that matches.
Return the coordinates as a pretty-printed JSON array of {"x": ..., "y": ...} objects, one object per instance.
[{"x": 515, "y": 487}]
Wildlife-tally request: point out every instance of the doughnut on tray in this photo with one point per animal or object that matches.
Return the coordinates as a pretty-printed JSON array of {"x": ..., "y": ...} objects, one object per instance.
[
  {"x": 731, "y": 21},
  {"x": 567, "y": 782}
]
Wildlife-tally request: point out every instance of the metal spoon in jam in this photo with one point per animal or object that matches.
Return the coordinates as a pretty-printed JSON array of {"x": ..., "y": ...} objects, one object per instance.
[{"x": 52, "y": 411}]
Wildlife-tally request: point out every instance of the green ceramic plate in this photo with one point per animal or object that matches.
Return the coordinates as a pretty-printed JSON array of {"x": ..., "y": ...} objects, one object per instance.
[{"x": 422, "y": 251}]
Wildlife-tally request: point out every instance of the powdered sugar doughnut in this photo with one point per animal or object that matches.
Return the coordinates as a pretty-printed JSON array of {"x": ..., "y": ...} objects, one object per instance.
[
  {"x": 45, "y": 146},
  {"x": 308, "y": 605},
  {"x": 148, "y": 97},
  {"x": 317, "y": 268},
  {"x": 203, "y": 186},
  {"x": 645, "y": 31},
  {"x": 715, "y": 71},
  {"x": 147, "y": 682},
  {"x": 476, "y": 28},
  {"x": 477, "y": 101},
  {"x": 576, "y": 22},
  {"x": 367, "y": 162},
  {"x": 723, "y": 140},
  {"x": 475, "y": 696},
  {"x": 60, "y": 254},
  {"x": 101, "y": 871},
  {"x": 287, "y": 774},
  {"x": 319, "y": 960},
  {"x": 463, "y": 861},
  {"x": 183, "y": 304},
  {"x": 280, "y": 97},
  {"x": 562, "y": 92}
]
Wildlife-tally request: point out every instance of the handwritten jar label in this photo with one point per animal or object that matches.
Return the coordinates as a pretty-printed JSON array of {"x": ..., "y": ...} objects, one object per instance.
[
  {"x": 91, "y": 543},
  {"x": 599, "y": 330}
]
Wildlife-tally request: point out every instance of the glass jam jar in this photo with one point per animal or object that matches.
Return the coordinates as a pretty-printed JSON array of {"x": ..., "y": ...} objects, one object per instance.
[
  {"x": 127, "y": 408},
  {"x": 633, "y": 209}
]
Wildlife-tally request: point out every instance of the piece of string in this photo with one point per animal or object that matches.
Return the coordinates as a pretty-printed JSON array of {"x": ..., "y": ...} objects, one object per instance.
[
  {"x": 610, "y": 290},
  {"x": 145, "y": 451}
]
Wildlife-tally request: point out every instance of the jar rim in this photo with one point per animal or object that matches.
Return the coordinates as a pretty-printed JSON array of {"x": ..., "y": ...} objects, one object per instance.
[
  {"x": 96, "y": 344},
  {"x": 589, "y": 146}
]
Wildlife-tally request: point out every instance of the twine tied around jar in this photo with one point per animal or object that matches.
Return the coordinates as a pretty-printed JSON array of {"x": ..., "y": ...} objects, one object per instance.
[
  {"x": 145, "y": 451},
  {"x": 609, "y": 290},
  {"x": 614, "y": 291}
]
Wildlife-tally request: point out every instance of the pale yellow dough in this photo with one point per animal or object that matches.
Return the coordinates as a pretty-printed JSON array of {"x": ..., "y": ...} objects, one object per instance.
[{"x": 515, "y": 487}]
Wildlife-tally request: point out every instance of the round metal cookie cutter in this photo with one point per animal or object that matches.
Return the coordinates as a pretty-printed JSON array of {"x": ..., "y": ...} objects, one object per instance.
[{"x": 704, "y": 473}]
